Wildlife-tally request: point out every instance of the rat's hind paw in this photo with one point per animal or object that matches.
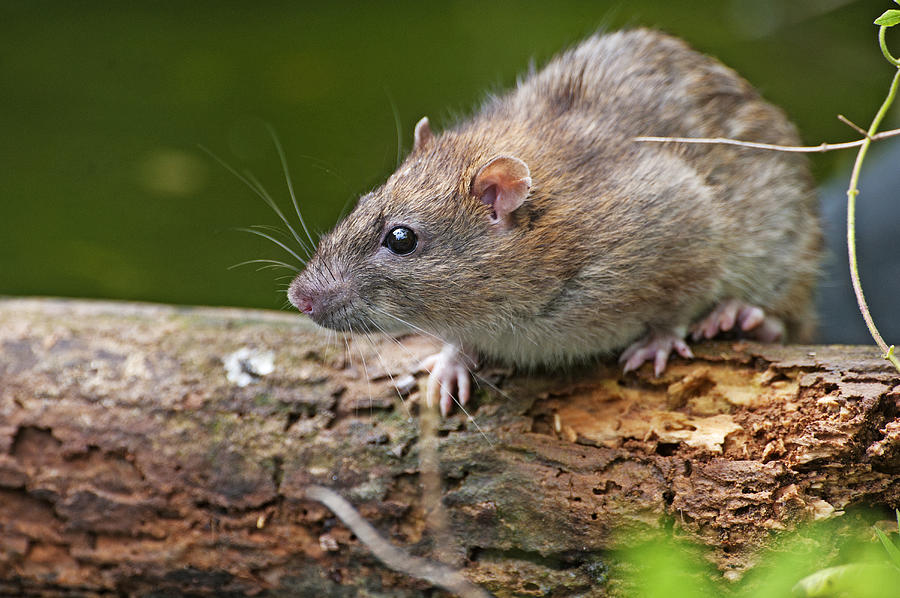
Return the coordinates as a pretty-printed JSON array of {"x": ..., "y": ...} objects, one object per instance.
[
  {"x": 748, "y": 318},
  {"x": 449, "y": 375},
  {"x": 656, "y": 346}
]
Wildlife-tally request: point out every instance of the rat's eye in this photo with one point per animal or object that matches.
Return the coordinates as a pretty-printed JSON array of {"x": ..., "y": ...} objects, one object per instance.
[{"x": 400, "y": 240}]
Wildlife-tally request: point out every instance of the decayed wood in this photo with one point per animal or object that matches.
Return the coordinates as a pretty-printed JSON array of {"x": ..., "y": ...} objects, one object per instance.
[{"x": 131, "y": 463}]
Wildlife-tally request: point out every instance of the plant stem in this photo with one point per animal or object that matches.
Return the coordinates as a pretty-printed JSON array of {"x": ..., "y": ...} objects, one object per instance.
[
  {"x": 884, "y": 49},
  {"x": 852, "y": 192}
]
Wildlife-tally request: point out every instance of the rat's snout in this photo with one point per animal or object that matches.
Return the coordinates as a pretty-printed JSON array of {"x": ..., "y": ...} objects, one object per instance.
[{"x": 319, "y": 299}]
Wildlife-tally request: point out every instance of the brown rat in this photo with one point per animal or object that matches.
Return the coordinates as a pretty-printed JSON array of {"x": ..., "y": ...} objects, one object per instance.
[{"x": 539, "y": 233}]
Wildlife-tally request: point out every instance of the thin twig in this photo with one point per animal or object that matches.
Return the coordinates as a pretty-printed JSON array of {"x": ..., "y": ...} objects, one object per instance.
[
  {"x": 392, "y": 556},
  {"x": 852, "y": 125},
  {"x": 800, "y": 149}
]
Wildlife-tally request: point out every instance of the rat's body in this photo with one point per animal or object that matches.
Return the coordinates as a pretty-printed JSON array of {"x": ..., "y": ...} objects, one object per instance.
[{"x": 544, "y": 234}]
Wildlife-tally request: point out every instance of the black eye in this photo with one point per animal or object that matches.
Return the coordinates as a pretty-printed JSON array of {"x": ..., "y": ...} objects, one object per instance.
[{"x": 400, "y": 240}]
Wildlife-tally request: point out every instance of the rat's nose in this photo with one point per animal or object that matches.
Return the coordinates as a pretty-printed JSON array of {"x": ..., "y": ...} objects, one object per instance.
[
  {"x": 324, "y": 302},
  {"x": 304, "y": 304},
  {"x": 301, "y": 298}
]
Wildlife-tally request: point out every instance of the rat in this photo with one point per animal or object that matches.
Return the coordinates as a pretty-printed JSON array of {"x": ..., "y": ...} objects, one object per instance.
[{"x": 540, "y": 233}]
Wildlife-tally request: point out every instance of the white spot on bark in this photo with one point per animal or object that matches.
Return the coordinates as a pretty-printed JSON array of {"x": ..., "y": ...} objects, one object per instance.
[{"x": 247, "y": 365}]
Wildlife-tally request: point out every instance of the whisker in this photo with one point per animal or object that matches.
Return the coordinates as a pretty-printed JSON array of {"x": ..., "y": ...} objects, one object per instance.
[
  {"x": 365, "y": 372},
  {"x": 290, "y": 184},
  {"x": 272, "y": 264},
  {"x": 267, "y": 197},
  {"x": 402, "y": 321},
  {"x": 479, "y": 379},
  {"x": 348, "y": 355},
  {"x": 269, "y": 227},
  {"x": 321, "y": 165},
  {"x": 386, "y": 368},
  {"x": 391, "y": 338},
  {"x": 345, "y": 209},
  {"x": 253, "y": 231},
  {"x": 258, "y": 190},
  {"x": 472, "y": 419},
  {"x": 397, "y": 126}
]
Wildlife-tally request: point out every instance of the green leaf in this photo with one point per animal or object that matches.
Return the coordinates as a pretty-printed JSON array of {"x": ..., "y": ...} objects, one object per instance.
[
  {"x": 889, "y": 18},
  {"x": 854, "y": 579},
  {"x": 893, "y": 551}
]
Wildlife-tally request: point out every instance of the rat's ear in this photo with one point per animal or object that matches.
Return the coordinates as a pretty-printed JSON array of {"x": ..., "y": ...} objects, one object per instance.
[
  {"x": 503, "y": 184},
  {"x": 423, "y": 135}
]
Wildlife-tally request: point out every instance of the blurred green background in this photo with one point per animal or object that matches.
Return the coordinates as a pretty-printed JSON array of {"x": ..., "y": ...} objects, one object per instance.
[{"x": 103, "y": 107}]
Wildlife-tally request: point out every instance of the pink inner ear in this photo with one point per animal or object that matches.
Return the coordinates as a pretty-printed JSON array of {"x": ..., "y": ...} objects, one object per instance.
[
  {"x": 503, "y": 184},
  {"x": 489, "y": 197}
]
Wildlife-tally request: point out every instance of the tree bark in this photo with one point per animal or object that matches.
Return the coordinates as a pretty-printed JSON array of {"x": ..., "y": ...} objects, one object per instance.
[{"x": 131, "y": 463}]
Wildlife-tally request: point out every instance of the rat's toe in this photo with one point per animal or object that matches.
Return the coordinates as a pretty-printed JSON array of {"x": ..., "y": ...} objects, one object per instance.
[
  {"x": 683, "y": 349},
  {"x": 636, "y": 358},
  {"x": 727, "y": 314},
  {"x": 463, "y": 385},
  {"x": 660, "y": 361},
  {"x": 731, "y": 314},
  {"x": 428, "y": 363},
  {"x": 751, "y": 317},
  {"x": 655, "y": 346},
  {"x": 721, "y": 318},
  {"x": 770, "y": 330},
  {"x": 446, "y": 399},
  {"x": 433, "y": 390}
]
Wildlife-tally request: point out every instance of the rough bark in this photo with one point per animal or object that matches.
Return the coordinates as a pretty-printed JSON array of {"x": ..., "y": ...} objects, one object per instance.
[{"x": 130, "y": 463}]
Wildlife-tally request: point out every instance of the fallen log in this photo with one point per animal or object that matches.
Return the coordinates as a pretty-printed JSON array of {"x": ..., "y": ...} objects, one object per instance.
[{"x": 148, "y": 448}]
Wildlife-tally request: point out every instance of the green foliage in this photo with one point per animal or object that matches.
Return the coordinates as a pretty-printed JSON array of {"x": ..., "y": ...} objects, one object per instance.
[
  {"x": 858, "y": 580},
  {"x": 792, "y": 566},
  {"x": 889, "y": 547},
  {"x": 889, "y": 18},
  {"x": 664, "y": 568}
]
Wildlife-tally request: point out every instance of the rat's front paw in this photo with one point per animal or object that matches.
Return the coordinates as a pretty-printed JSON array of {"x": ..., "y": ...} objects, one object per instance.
[
  {"x": 449, "y": 375},
  {"x": 656, "y": 346},
  {"x": 732, "y": 313}
]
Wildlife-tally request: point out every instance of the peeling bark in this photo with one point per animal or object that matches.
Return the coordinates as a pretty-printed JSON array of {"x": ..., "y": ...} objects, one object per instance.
[{"x": 130, "y": 463}]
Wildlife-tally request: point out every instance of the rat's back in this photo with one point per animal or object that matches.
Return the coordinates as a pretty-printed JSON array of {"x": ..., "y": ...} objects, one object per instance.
[{"x": 671, "y": 230}]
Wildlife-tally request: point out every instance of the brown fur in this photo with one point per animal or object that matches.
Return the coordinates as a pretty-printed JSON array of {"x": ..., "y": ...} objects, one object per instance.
[{"x": 616, "y": 237}]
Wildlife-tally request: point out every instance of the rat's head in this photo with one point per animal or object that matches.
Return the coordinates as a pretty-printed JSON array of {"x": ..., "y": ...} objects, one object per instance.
[{"x": 422, "y": 251}]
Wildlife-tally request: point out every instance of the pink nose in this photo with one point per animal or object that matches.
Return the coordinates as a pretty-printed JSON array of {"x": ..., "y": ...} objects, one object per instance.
[
  {"x": 301, "y": 297},
  {"x": 304, "y": 304}
]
